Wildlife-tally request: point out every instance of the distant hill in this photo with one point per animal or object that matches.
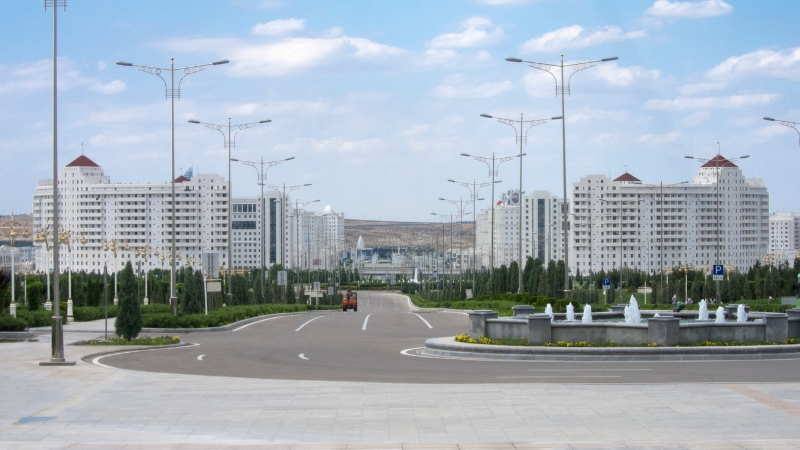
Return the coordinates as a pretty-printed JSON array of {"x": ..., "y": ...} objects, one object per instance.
[{"x": 379, "y": 234}]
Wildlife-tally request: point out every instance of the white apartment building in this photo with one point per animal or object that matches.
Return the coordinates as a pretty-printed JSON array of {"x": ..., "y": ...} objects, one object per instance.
[
  {"x": 542, "y": 235},
  {"x": 623, "y": 222},
  {"x": 135, "y": 215},
  {"x": 784, "y": 235},
  {"x": 314, "y": 240},
  {"x": 246, "y": 229}
]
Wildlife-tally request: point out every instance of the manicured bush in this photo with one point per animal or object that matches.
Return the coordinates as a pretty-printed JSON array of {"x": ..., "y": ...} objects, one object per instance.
[
  {"x": 87, "y": 313},
  {"x": 38, "y": 318},
  {"x": 155, "y": 308},
  {"x": 10, "y": 323},
  {"x": 218, "y": 317}
]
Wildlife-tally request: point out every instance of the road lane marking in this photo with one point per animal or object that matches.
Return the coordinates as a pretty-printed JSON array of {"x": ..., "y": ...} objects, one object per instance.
[
  {"x": 97, "y": 362},
  {"x": 592, "y": 370},
  {"x": 411, "y": 304},
  {"x": 563, "y": 376},
  {"x": 422, "y": 319},
  {"x": 303, "y": 356},
  {"x": 301, "y": 326},
  {"x": 258, "y": 321},
  {"x": 365, "y": 322},
  {"x": 200, "y": 358}
]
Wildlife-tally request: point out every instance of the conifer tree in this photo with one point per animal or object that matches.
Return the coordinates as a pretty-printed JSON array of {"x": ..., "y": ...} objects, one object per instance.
[{"x": 129, "y": 316}]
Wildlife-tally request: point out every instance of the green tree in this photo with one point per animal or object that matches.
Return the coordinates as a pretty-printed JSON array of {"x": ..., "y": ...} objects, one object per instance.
[
  {"x": 512, "y": 283},
  {"x": 36, "y": 292},
  {"x": 709, "y": 288},
  {"x": 129, "y": 315},
  {"x": 239, "y": 290}
]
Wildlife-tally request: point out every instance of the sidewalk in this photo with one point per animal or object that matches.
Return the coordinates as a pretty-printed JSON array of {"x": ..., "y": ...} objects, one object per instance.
[
  {"x": 92, "y": 326},
  {"x": 88, "y": 406}
]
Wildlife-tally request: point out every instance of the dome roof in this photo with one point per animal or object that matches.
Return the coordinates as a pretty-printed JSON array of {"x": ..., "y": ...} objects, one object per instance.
[
  {"x": 82, "y": 161},
  {"x": 328, "y": 210}
]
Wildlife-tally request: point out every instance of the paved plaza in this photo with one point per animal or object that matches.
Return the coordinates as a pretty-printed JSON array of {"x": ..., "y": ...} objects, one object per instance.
[{"x": 92, "y": 406}]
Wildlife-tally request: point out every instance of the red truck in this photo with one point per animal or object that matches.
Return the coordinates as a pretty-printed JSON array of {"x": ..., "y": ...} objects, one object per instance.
[{"x": 350, "y": 300}]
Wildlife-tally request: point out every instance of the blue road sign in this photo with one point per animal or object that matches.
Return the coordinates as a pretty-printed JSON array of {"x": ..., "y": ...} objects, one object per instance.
[{"x": 606, "y": 283}]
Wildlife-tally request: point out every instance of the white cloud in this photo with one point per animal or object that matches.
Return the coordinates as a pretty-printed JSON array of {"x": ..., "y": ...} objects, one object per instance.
[
  {"x": 103, "y": 139},
  {"x": 615, "y": 75},
  {"x": 101, "y": 65},
  {"x": 781, "y": 64},
  {"x": 336, "y": 144},
  {"x": 473, "y": 32},
  {"x": 696, "y": 88},
  {"x": 279, "y": 27},
  {"x": 691, "y": 10},
  {"x": 733, "y": 101},
  {"x": 109, "y": 88},
  {"x": 455, "y": 86},
  {"x": 695, "y": 119},
  {"x": 576, "y": 36},
  {"x": 666, "y": 138}
]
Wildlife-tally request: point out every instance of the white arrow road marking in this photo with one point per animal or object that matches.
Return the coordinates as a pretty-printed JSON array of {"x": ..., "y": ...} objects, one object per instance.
[
  {"x": 365, "y": 322},
  {"x": 303, "y": 356},
  {"x": 422, "y": 319},
  {"x": 200, "y": 358},
  {"x": 301, "y": 326}
]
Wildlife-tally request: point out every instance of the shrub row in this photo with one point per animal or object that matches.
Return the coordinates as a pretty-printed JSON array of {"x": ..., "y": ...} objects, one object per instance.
[
  {"x": 10, "y": 323},
  {"x": 216, "y": 318},
  {"x": 38, "y": 318}
]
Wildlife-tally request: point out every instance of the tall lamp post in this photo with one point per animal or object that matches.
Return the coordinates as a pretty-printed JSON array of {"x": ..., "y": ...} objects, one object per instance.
[
  {"x": 229, "y": 142},
  {"x": 786, "y": 123},
  {"x": 496, "y": 162},
  {"x": 474, "y": 188},
  {"x": 57, "y": 333},
  {"x": 171, "y": 93},
  {"x": 262, "y": 179},
  {"x": 562, "y": 90},
  {"x": 522, "y": 138},
  {"x": 283, "y": 215},
  {"x": 717, "y": 163},
  {"x": 460, "y": 207}
]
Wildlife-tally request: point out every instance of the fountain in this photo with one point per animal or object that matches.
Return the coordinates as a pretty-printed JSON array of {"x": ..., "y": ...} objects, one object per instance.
[
  {"x": 741, "y": 314},
  {"x": 720, "y": 315},
  {"x": 656, "y": 315},
  {"x": 570, "y": 313},
  {"x": 703, "y": 315},
  {"x": 587, "y": 314},
  {"x": 549, "y": 311},
  {"x": 632, "y": 314}
]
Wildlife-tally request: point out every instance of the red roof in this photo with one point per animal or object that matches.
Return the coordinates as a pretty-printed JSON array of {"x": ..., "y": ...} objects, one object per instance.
[
  {"x": 627, "y": 177},
  {"x": 181, "y": 179},
  {"x": 82, "y": 161},
  {"x": 718, "y": 161}
]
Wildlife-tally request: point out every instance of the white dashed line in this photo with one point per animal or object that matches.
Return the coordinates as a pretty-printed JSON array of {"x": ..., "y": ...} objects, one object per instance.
[
  {"x": 303, "y": 356},
  {"x": 301, "y": 326},
  {"x": 365, "y": 322},
  {"x": 200, "y": 358},
  {"x": 422, "y": 319}
]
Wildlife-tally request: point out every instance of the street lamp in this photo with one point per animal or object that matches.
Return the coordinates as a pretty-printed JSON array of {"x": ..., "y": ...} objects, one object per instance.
[
  {"x": 717, "y": 163},
  {"x": 228, "y": 142},
  {"x": 283, "y": 215},
  {"x": 474, "y": 188},
  {"x": 496, "y": 162},
  {"x": 171, "y": 93},
  {"x": 786, "y": 123},
  {"x": 57, "y": 328},
  {"x": 560, "y": 89},
  {"x": 522, "y": 138},
  {"x": 262, "y": 178},
  {"x": 69, "y": 240},
  {"x": 11, "y": 231},
  {"x": 460, "y": 207}
]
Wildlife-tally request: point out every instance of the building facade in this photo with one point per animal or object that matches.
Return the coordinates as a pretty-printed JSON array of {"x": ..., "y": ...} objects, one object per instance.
[
  {"x": 719, "y": 217},
  {"x": 784, "y": 235}
]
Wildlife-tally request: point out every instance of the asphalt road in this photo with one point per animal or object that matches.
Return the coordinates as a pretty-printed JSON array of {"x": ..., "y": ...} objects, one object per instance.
[{"x": 366, "y": 346}]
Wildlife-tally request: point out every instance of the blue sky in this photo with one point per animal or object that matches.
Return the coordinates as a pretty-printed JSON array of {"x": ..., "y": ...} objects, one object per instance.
[{"x": 376, "y": 100}]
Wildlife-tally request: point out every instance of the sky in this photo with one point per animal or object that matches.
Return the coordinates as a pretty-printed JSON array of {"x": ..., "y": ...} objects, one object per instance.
[{"x": 376, "y": 100}]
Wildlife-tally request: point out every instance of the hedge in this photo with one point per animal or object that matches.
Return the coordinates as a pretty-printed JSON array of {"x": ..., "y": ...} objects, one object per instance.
[
  {"x": 38, "y": 318},
  {"x": 10, "y": 323},
  {"x": 218, "y": 317}
]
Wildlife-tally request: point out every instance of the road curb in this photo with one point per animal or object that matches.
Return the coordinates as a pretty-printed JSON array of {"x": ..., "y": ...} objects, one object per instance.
[
  {"x": 16, "y": 336},
  {"x": 227, "y": 327},
  {"x": 447, "y": 347},
  {"x": 131, "y": 348}
]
